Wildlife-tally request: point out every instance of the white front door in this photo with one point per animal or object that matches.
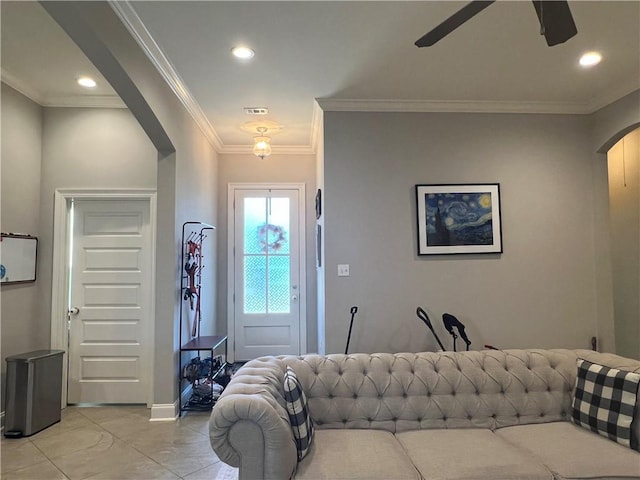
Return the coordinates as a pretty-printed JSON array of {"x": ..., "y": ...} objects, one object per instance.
[
  {"x": 109, "y": 301},
  {"x": 267, "y": 289}
]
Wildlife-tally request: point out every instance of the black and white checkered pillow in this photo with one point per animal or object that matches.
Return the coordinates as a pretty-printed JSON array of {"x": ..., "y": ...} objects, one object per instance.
[
  {"x": 604, "y": 401},
  {"x": 299, "y": 417}
]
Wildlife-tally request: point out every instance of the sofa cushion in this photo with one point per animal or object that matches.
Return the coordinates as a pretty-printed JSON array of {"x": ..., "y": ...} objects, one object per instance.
[
  {"x": 469, "y": 454},
  {"x": 356, "y": 454},
  {"x": 571, "y": 451},
  {"x": 604, "y": 400},
  {"x": 301, "y": 423}
]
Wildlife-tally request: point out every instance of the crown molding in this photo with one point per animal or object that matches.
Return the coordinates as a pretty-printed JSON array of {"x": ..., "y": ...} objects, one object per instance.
[
  {"x": 142, "y": 36},
  {"x": 92, "y": 101},
  {"x": 275, "y": 150},
  {"x": 444, "y": 106},
  {"x": 21, "y": 86},
  {"x": 460, "y": 106},
  {"x": 66, "y": 101},
  {"x": 613, "y": 94}
]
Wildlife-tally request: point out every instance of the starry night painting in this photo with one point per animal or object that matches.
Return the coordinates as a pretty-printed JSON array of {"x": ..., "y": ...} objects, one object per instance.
[
  {"x": 455, "y": 217},
  {"x": 459, "y": 219}
]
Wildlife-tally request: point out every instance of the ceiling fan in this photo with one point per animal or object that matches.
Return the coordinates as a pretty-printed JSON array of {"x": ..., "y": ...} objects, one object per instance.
[{"x": 556, "y": 22}]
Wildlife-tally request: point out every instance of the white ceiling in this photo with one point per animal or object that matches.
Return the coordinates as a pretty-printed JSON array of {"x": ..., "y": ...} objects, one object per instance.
[
  {"x": 41, "y": 61},
  {"x": 349, "y": 55}
]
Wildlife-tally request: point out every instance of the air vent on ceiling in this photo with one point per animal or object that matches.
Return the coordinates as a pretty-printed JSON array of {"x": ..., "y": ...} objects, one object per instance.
[{"x": 256, "y": 110}]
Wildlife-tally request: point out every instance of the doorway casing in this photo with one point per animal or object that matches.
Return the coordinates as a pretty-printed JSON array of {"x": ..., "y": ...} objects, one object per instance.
[{"x": 60, "y": 276}]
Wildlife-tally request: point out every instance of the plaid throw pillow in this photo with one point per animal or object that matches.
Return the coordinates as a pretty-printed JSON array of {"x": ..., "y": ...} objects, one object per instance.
[
  {"x": 298, "y": 413},
  {"x": 605, "y": 399}
]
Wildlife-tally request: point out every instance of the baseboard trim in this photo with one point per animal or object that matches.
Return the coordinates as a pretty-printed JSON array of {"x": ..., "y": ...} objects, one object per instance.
[
  {"x": 169, "y": 412},
  {"x": 164, "y": 412}
]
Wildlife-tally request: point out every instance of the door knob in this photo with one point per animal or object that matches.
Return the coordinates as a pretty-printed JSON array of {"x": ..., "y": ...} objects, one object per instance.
[
  {"x": 294, "y": 297},
  {"x": 73, "y": 311}
]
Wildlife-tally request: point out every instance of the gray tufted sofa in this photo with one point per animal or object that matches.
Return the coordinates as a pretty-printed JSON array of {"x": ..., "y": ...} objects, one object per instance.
[{"x": 467, "y": 415}]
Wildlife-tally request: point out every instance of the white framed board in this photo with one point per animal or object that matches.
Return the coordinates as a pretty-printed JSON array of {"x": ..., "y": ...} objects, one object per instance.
[{"x": 18, "y": 254}]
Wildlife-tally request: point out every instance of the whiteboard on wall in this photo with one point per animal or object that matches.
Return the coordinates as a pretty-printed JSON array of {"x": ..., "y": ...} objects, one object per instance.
[{"x": 18, "y": 255}]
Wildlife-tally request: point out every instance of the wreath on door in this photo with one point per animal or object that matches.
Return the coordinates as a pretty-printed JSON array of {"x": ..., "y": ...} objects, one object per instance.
[{"x": 267, "y": 232}]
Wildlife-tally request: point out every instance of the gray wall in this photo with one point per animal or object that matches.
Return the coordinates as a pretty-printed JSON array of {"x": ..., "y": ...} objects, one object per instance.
[
  {"x": 539, "y": 293},
  {"x": 87, "y": 148},
  {"x": 187, "y": 164},
  {"x": 170, "y": 153},
  {"x": 236, "y": 168},
  {"x": 196, "y": 200},
  {"x": 48, "y": 148},
  {"x": 22, "y": 329}
]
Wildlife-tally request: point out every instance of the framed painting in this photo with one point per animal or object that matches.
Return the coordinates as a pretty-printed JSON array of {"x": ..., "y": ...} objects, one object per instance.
[{"x": 459, "y": 218}]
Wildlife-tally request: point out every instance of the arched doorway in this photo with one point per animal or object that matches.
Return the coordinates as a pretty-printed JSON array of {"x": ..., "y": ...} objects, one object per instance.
[{"x": 623, "y": 160}]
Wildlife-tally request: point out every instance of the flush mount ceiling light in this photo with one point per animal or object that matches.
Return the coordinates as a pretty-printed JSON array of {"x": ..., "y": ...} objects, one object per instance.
[
  {"x": 262, "y": 143},
  {"x": 87, "y": 82},
  {"x": 243, "y": 53},
  {"x": 590, "y": 59}
]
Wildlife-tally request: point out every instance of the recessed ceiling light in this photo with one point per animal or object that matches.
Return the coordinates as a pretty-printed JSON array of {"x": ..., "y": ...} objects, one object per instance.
[
  {"x": 590, "y": 59},
  {"x": 86, "y": 82},
  {"x": 243, "y": 53}
]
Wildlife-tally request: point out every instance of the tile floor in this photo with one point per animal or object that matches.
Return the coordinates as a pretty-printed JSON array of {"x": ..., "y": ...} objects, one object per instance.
[{"x": 113, "y": 443}]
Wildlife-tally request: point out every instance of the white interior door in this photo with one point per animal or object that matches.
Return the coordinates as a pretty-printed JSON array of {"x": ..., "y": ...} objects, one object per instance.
[
  {"x": 109, "y": 301},
  {"x": 267, "y": 289}
]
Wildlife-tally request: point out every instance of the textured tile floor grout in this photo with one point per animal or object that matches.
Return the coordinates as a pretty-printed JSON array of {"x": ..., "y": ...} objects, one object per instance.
[{"x": 114, "y": 443}]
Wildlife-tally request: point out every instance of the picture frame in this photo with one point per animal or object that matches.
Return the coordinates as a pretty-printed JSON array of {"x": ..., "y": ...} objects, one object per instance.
[
  {"x": 18, "y": 260},
  {"x": 319, "y": 245},
  {"x": 318, "y": 204},
  {"x": 459, "y": 218}
]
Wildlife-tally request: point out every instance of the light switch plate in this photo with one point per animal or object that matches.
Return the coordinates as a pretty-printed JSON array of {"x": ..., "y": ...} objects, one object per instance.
[{"x": 343, "y": 270}]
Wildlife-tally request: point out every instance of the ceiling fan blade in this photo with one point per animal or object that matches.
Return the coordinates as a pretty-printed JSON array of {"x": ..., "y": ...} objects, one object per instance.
[
  {"x": 556, "y": 21},
  {"x": 454, "y": 21}
]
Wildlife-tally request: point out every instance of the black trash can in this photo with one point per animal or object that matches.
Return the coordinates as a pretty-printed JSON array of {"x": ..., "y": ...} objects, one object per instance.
[{"x": 33, "y": 392}]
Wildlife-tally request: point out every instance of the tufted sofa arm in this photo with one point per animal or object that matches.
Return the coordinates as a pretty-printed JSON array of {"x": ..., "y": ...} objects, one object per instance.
[{"x": 249, "y": 426}]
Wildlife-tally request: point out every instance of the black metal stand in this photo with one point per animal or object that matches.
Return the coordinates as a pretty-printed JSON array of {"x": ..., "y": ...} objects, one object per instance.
[{"x": 202, "y": 397}]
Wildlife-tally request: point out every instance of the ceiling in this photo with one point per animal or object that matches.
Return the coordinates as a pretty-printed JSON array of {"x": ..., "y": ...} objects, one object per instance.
[
  {"x": 348, "y": 55},
  {"x": 41, "y": 61}
]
